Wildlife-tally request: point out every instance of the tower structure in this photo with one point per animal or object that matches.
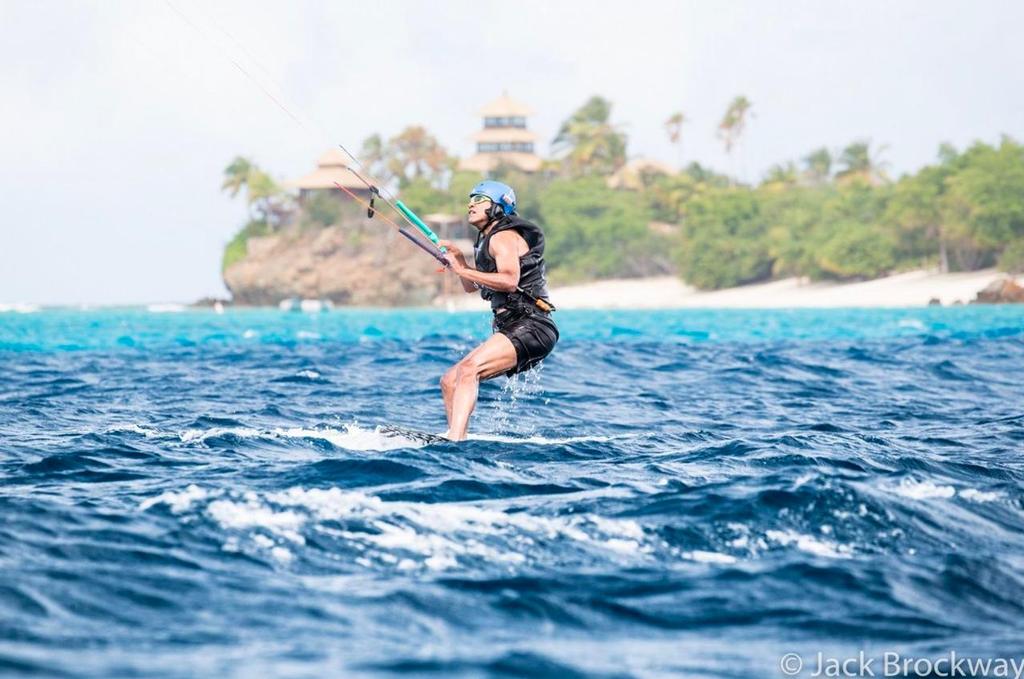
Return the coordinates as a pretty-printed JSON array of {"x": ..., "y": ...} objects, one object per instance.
[{"x": 504, "y": 139}]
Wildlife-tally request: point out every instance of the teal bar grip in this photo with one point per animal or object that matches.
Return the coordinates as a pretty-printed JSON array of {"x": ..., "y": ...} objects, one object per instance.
[{"x": 414, "y": 218}]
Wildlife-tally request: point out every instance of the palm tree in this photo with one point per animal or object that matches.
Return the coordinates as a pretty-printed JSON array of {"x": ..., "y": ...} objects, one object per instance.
[
  {"x": 414, "y": 154},
  {"x": 782, "y": 176},
  {"x": 236, "y": 175},
  {"x": 734, "y": 121},
  {"x": 596, "y": 110},
  {"x": 590, "y": 144},
  {"x": 674, "y": 129},
  {"x": 860, "y": 162},
  {"x": 818, "y": 165},
  {"x": 265, "y": 199},
  {"x": 730, "y": 129}
]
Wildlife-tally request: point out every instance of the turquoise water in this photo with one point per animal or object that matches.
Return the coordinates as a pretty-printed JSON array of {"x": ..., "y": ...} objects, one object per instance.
[
  {"x": 60, "y": 330},
  {"x": 674, "y": 493}
]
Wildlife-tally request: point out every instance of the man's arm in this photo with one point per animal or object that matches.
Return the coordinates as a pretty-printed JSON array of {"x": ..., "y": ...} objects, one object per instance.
[{"x": 505, "y": 248}]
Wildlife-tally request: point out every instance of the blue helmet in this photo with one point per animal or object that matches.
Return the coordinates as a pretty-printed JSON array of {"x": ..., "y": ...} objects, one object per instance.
[{"x": 500, "y": 194}]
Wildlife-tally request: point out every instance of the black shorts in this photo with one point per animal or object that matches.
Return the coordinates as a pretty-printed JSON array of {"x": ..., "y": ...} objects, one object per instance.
[{"x": 532, "y": 333}]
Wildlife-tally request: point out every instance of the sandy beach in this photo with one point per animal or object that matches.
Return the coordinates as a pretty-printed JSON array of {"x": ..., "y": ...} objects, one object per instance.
[{"x": 913, "y": 288}]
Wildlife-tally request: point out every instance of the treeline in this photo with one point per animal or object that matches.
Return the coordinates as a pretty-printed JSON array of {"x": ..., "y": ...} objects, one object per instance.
[
  {"x": 963, "y": 213},
  {"x": 828, "y": 216}
]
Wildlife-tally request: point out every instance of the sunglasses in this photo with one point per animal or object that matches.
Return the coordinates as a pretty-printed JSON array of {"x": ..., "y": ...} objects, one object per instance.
[{"x": 478, "y": 198}]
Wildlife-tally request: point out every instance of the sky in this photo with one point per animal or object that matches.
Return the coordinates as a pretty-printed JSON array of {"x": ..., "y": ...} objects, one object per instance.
[{"x": 118, "y": 118}]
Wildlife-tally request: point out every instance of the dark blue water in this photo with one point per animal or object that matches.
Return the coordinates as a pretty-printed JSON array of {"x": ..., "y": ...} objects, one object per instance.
[{"x": 689, "y": 493}]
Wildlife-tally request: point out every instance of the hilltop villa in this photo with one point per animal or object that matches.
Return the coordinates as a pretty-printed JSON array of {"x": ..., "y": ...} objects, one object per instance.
[
  {"x": 504, "y": 139},
  {"x": 330, "y": 168}
]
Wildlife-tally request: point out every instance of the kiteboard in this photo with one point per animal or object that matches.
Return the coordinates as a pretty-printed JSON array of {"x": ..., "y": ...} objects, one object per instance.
[{"x": 423, "y": 437}]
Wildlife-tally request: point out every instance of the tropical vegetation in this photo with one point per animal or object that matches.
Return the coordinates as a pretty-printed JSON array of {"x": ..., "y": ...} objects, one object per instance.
[{"x": 832, "y": 214}]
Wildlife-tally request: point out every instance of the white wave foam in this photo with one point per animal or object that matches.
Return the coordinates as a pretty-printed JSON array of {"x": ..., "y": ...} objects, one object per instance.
[
  {"x": 350, "y": 436},
  {"x": 911, "y": 323},
  {"x": 709, "y": 557},
  {"x": 497, "y": 438},
  {"x": 192, "y": 435},
  {"x": 975, "y": 495},
  {"x": 132, "y": 428},
  {"x": 809, "y": 544},
  {"x": 927, "y": 490},
  {"x": 922, "y": 490},
  {"x": 179, "y": 502},
  {"x": 353, "y": 437},
  {"x": 412, "y": 535},
  {"x": 254, "y": 514},
  {"x": 308, "y": 374}
]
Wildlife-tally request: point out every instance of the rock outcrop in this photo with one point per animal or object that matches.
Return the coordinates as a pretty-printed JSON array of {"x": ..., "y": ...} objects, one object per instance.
[
  {"x": 1001, "y": 291},
  {"x": 358, "y": 263}
]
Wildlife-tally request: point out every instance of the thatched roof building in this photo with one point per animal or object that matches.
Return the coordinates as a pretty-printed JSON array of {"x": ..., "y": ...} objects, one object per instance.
[{"x": 330, "y": 168}]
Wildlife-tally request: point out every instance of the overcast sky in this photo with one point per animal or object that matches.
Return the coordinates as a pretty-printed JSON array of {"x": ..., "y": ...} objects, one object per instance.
[{"x": 118, "y": 118}]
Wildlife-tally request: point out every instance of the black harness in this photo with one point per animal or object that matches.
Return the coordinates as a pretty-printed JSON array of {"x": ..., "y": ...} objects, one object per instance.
[{"x": 531, "y": 294}]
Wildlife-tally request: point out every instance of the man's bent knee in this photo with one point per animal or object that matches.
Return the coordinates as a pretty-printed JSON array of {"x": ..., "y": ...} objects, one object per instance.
[{"x": 469, "y": 369}]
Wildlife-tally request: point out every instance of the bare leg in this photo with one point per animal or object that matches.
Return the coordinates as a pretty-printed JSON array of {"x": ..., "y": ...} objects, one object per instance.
[
  {"x": 493, "y": 357},
  {"x": 447, "y": 391}
]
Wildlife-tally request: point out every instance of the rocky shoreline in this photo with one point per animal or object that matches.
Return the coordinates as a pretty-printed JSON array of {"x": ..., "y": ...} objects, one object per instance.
[{"x": 358, "y": 263}]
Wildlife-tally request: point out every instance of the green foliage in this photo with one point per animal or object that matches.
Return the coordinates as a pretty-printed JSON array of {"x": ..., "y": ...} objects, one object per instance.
[
  {"x": 915, "y": 212},
  {"x": 724, "y": 240},
  {"x": 987, "y": 194},
  {"x": 669, "y": 196},
  {"x": 237, "y": 248},
  {"x": 592, "y": 231},
  {"x": 321, "y": 209},
  {"x": 730, "y": 129},
  {"x": 1012, "y": 259},
  {"x": 411, "y": 155},
  {"x": 793, "y": 219},
  {"x": 782, "y": 176},
  {"x": 423, "y": 198},
  {"x": 459, "y": 187},
  {"x": 836, "y": 216},
  {"x": 850, "y": 219},
  {"x": 856, "y": 250},
  {"x": 860, "y": 162},
  {"x": 415, "y": 154},
  {"x": 236, "y": 175},
  {"x": 267, "y": 202},
  {"x": 588, "y": 143},
  {"x": 818, "y": 165},
  {"x": 964, "y": 213}
]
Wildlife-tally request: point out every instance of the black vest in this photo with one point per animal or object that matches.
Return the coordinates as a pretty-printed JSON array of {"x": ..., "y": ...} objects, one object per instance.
[{"x": 532, "y": 277}]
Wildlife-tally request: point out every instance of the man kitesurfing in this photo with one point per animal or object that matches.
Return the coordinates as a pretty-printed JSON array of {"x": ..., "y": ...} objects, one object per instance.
[{"x": 509, "y": 272}]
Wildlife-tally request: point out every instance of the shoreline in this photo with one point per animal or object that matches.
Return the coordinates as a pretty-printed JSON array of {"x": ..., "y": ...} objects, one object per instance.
[
  {"x": 903, "y": 290},
  {"x": 908, "y": 289}
]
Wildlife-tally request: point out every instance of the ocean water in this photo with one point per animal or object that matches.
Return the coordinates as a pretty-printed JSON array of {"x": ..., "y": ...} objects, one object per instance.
[{"x": 684, "y": 493}]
